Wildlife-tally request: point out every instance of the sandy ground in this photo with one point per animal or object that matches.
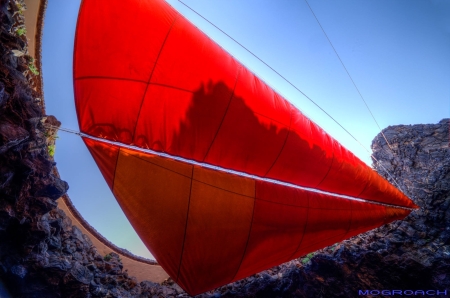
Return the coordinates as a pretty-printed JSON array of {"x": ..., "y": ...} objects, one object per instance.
[
  {"x": 142, "y": 271},
  {"x": 31, "y": 18}
]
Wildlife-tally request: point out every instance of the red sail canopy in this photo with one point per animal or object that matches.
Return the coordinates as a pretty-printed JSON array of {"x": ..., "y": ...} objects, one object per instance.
[{"x": 145, "y": 76}]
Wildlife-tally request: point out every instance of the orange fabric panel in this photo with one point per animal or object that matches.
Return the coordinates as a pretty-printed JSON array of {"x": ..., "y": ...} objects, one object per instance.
[
  {"x": 278, "y": 225},
  {"x": 226, "y": 181},
  {"x": 105, "y": 22},
  {"x": 153, "y": 192},
  {"x": 365, "y": 217},
  {"x": 220, "y": 216},
  {"x": 328, "y": 222},
  {"x": 103, "y": 105},
  {"x": 105, "y": 156}
]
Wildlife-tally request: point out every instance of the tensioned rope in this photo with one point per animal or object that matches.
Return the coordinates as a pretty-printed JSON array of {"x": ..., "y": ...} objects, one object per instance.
[
  {"x": 217, "y": 168},
  {"x": 351, "y": 79},
  {"x": 296, "y": 88},
  {"x": 354, "y": 84}
]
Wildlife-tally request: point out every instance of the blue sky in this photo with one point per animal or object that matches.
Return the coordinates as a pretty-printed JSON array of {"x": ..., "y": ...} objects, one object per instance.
[{"x": 398, "y": 53}]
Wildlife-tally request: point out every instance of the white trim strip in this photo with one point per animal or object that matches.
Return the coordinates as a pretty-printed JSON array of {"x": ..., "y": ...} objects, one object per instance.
[{"x": 238, "y": 173}]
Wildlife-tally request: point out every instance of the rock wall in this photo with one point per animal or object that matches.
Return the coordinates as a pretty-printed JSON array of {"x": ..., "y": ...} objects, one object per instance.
[
  {"x": 32, "y": 12},
  {"x": 41, "y": 253}
]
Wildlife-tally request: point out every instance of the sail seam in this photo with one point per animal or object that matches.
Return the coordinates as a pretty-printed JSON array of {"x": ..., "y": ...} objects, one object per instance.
[
  {"x": 132, "y": 80},
  {"x": 185, "y": 227},
  {"x": 304, "y": 231},
  {"x": 151, "y": 75},
  {"x": 328, "y": 172},
  {"x": 248, "y": 238},
  {"x": 109, "y": 78},
  {"x": 224, "y": 115},
  {"x": 115, "y": 170},
  {"x": 351, "y": 219},
  {"x": 284, "y": 143}
]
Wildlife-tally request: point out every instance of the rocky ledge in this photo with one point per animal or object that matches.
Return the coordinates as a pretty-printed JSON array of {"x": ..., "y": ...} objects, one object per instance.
[{"x": 43, "y": 255}]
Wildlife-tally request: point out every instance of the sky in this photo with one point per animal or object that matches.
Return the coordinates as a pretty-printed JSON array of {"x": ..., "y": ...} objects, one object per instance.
[{"x": 397, "y": 52}]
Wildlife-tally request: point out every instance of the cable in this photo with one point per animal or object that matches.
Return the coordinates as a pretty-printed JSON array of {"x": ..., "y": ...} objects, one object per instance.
[{"x": 357, "y": 89}]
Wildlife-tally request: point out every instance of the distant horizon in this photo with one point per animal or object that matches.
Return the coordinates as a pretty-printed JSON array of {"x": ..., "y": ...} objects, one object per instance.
[{"x": 396, "y": 53}]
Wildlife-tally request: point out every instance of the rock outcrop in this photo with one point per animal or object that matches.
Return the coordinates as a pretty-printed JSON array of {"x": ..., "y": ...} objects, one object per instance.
[{"x": 43, "y": 255}]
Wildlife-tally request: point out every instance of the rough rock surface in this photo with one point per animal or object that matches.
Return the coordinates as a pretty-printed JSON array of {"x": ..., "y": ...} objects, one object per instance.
[{"x": 43, "y": 255}]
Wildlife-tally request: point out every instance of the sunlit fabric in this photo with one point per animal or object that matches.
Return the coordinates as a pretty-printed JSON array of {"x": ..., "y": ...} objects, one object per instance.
[{"x": 145, "y": 76}]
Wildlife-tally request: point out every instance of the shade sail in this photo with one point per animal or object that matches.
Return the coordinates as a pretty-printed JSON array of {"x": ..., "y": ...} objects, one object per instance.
[{"x": 145, "y": 76}]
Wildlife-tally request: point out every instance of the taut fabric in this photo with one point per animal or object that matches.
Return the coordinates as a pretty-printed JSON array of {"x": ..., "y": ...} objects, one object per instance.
[{"x": 145, "y": 76}]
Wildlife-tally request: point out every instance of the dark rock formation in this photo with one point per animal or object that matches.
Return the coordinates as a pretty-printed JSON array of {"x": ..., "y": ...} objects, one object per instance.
[{"x": 43, "y": 255}]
